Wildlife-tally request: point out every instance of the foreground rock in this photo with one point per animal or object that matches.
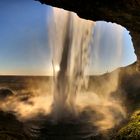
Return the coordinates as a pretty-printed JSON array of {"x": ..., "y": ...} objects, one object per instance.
[{"x": 4, "y": 93}]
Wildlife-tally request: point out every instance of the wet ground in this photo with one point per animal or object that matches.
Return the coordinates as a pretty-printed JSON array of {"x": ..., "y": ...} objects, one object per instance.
[{"x": 40, "y": 127}]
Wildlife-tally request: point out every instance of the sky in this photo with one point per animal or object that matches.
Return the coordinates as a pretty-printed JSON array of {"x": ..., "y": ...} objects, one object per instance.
[
  {"x": 23, "y": 37},
  {"x": 24, "y": 48},
  {"x": 112, "y": 47}
]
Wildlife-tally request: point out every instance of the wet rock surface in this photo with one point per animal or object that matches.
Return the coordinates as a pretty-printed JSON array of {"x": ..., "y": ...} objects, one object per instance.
[
  {"x": 11, "y": 128},
  {"x": 42, "y": 128}
]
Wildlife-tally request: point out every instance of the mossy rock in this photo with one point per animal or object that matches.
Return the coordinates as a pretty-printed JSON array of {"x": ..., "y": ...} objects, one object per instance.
[
  {"x": 136, "y": 116},
  {"x": 132, "y": 130}
]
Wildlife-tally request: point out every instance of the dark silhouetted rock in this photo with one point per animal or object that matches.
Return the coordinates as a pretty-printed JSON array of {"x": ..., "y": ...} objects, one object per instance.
[{"x": 4, "y": 93}]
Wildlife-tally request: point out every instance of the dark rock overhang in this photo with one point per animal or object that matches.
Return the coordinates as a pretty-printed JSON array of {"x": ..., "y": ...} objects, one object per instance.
[{"x": 123, "y": 12}]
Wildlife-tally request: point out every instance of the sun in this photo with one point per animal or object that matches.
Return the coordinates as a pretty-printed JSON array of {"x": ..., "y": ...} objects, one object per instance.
[{"x": 57, "y": 68}]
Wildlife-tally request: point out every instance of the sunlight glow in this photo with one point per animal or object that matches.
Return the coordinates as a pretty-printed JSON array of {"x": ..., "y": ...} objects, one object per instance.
[{"x": 57, "y": 68}]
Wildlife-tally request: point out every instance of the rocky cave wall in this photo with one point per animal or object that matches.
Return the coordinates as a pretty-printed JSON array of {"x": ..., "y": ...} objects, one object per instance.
[{"x": 123, "y": 12}]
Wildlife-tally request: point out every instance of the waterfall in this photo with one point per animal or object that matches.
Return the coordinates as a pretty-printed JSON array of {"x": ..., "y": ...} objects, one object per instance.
[{"x": 71, "y": 44}]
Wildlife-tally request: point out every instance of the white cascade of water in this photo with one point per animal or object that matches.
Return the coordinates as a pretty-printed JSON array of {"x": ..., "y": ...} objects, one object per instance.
[{"x": 70, "y": 46}]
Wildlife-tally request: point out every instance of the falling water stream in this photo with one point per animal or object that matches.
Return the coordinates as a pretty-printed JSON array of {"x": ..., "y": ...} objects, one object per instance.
[{"x": 73, "y": 62}]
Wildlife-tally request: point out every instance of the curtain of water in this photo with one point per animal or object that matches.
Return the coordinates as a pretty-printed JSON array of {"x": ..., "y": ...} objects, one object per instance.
[{"x": 71, "y": 41}]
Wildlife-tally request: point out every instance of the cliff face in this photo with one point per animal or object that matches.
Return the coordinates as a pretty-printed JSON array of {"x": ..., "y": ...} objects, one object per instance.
[{"x": 123, "y": 12}]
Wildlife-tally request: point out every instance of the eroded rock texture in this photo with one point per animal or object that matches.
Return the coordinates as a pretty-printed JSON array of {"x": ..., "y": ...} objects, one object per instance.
[{"x": 124, "y": 12}]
